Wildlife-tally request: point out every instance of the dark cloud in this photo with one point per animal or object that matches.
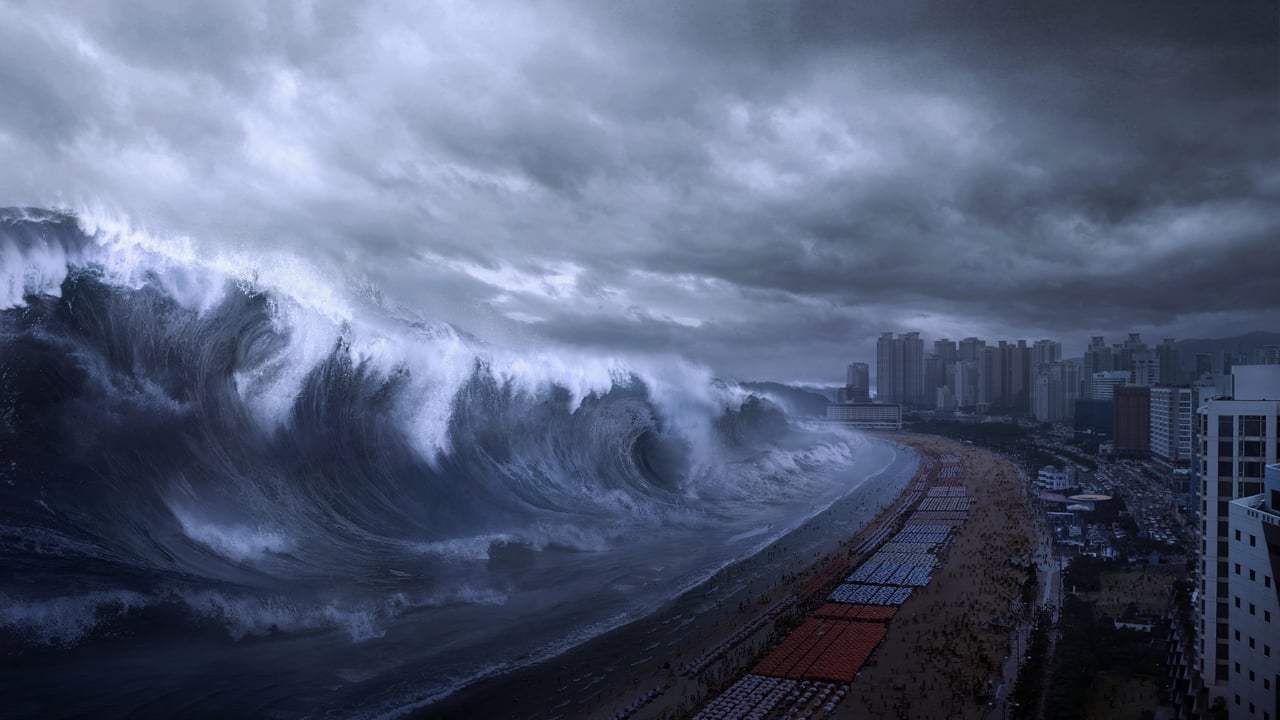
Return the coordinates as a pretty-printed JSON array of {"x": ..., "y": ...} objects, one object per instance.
[{"x": 760, "y": 186}]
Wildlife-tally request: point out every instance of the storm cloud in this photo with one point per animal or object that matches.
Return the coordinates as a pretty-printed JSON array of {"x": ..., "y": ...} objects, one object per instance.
[{"x": 762, "y": 187}]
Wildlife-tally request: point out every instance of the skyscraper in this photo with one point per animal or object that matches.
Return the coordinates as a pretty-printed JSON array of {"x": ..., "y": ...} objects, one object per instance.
[
  {"x": 858, "y": 382},
  {"x": 1018, "y": 368},
  {"x": 888, "y": 369},
  {"x": 990, "y": 378},
  {"x": 1123, "y": 353},
  {"x": 1169, "y": 358},
  {"x": 970, "y": 349},
  {"x": 1204, "y": 365},
  {"x": 1238, "y": 437},
  {"x": 900, "y": 369},
  {"x": 913, "y": 369},
  {"x": 945, "y": 350},
  {"x": 1144, "y": 368},
  {"x": 1131, "y": 421},
  {"x": 1045, "y": 352},
  {"x": 1046, "y": 393},
  {"x": 1097, "y": 359}
]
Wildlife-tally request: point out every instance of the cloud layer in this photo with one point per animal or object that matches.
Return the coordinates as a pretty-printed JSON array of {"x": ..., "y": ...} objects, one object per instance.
[{"x": 761, "y": 186}]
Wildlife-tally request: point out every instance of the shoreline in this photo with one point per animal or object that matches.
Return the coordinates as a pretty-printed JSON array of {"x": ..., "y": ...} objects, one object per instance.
[
  {"x": 603, "y": 675},
  {"x": 934, "y": 659}
]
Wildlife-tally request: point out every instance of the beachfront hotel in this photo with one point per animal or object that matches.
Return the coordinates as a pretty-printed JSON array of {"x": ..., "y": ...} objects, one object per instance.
[
  {"x": 867, "y": 416},
  {"x": 1238, "y": 438}
]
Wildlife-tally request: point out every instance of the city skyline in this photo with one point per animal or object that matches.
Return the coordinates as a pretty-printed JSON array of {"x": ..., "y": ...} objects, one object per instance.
[{"x": 1263, "y": 347}]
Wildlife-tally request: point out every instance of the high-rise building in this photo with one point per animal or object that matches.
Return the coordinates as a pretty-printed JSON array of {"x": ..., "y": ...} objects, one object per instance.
[
  {"x": 1097, "y": 359},
  {"x": 937, "y": 374},
  {"x": 962, "y": 382},
  {"x": 1144, "y": 368},
  {"x": 1269, "y": 355},
  {"x": 945, "y": 350},
  {"x": 1018, "y": 369},
  {"x": 1045, "y": 352},
  {"x": 934, "y": 380},
  {"x": 1131, "y": 420},
  {"x": 1005, "y": 374},
  {"x": 1204, "y": 365},
  {"x": 970, "y": 349},
  {"x": 913, "y": 369},
  {"x": 888, "y": 369},
  {"x": 1169, "y": 358},
  {"x": 900, "y": 369},
  {"x": 1046, "y": 393},
  {"x": 1123, "y": 353},
  {"x": 1171, "y": 423},
  {"x": 1070, "y": 388},
  {"x": 858, "y": 382},
  {"x": 1054, "y": 391},
  {"x": 1253, "y": 638},
  {"x": 1238, "y": 437},
  {"x": 990, "y": 378}
]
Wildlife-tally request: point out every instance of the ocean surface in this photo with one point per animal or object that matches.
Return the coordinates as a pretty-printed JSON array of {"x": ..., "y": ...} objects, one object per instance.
[{"x": 228, "y": 488}]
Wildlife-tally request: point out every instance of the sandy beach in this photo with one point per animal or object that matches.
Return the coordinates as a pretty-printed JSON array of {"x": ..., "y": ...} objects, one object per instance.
[
  {"x": 941, "y": 646},
  {"x": 950, "y": 638}
]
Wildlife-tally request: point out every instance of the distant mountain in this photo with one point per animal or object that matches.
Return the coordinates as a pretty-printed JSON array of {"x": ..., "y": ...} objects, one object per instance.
[
  {"x": 1241, "y": 344},
  {"x": 796, "y": 401}
]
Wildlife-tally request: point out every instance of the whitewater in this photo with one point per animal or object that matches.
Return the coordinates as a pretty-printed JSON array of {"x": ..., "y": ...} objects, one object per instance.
[{"x": 233, "y": 485}]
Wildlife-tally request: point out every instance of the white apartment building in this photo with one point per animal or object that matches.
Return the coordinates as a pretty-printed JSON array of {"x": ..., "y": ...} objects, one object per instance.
[
  {"x": 1171, "y": 418},
  {"x": 1254, "y": 642},
  {"x": 1238, "y": 437}
]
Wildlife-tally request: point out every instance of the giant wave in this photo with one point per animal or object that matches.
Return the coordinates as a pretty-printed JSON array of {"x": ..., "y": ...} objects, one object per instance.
[{"x": 231, "y": 449}]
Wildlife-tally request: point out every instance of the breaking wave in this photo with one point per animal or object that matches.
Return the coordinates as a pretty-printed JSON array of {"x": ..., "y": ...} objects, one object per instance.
[{"x": 270, "y": 452}]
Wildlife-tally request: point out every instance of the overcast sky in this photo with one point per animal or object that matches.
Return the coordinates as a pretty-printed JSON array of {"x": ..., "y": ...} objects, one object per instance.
[{"x": 762, "y": 187}]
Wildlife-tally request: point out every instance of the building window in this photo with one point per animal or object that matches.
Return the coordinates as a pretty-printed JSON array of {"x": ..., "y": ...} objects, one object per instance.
[
  {"x": 1253, "y": 575},
  {"x": 1237, "y": 668},
  {"x": 1251, "y": 646},
  {"x": 1254, "y": 425},
  {"x": 1237, "y": 564},
  {"x": 1266, "y": 650},
  {"x": 1237, "y": 601},
  {"x": 1253, "y": 541},
  {"x": 1266, "y": 581}
]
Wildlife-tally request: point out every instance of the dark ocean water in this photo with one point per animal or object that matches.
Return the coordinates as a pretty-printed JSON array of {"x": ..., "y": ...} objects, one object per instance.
[{"x": 226, "y": 493}]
